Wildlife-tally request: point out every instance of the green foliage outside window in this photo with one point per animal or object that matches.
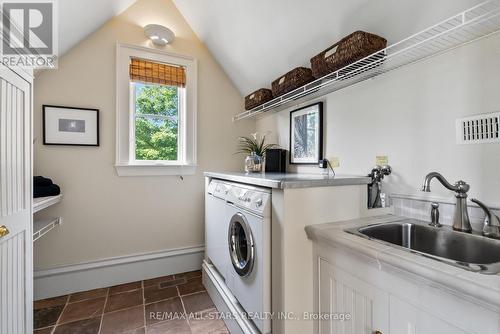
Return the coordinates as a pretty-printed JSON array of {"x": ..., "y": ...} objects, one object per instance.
[{"x": 156, "y": 123}]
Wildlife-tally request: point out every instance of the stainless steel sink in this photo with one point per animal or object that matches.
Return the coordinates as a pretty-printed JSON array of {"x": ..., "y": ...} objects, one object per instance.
[{"x": 467, "y": 251}]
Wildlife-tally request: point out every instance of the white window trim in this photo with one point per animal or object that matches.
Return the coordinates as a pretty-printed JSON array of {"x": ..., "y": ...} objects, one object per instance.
[{"x": 127, "y": 166}]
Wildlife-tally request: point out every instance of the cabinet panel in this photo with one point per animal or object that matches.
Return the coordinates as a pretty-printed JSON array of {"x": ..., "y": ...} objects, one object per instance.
[
  {"x": 216, "y": 233},
  {"x": 412, "y": 305},
  {"x": 13, "y": 285},
  {"x": 340, "y": 292},
  {"x": 407, "y": 319},
  {"x": 16, "y": 270}
]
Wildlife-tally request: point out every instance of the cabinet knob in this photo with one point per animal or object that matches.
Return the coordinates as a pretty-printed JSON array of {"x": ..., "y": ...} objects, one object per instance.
[
  {"x": 378, "y": 332},
  {"x": 3, "y": 231}
]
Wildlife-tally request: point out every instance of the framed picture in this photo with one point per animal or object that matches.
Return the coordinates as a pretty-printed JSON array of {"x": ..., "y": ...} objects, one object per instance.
[
  {"x": 306, "y": 134},
  {"x": 70, "y": 126}
]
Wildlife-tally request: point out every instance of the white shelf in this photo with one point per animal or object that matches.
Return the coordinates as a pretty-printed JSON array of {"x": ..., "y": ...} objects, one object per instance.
[
  {"x": 472, "y": 24},
  {"x": 44, "y": 202},
  {"x": 42, "y": 227}
]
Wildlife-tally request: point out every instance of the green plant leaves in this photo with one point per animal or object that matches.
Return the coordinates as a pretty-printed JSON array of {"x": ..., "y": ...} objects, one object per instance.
[
  {"x": 156, "y": 123},
  {"x": 248, "y": 145}
]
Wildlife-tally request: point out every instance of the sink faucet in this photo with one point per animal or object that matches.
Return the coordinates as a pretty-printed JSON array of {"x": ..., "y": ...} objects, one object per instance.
[
  {"x": 461, "y": 220},
  {"x": 491, "y": 228}
]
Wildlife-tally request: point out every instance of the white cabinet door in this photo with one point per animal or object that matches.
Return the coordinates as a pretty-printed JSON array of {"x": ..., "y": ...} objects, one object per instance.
[
  {"x": 16, "y": 271},
  {"x": 407, "y": 319},
  {"x": 340, "y": 292}
]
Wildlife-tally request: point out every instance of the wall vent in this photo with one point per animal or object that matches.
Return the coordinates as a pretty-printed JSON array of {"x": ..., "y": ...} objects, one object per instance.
[{"x": 479, "y": 129}]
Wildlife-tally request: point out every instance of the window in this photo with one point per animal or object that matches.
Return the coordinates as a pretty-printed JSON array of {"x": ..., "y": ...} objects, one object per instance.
[
  {"x": 157, "y": 106},
  {"x": 156, "y": 116}
]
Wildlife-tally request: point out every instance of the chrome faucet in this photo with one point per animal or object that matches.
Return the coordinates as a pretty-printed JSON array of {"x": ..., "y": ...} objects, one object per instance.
[
  {"x": 461, "y": 221},
  {"x": 491, "y": 227}
]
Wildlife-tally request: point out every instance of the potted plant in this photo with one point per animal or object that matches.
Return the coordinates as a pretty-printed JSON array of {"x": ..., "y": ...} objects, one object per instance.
[{"x": 255, "y": 150}]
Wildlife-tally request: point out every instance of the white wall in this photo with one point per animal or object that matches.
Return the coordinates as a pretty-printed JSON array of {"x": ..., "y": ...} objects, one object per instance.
[
  {"x": 410, "y": 116},
  {"x": 107, "y": 216}
]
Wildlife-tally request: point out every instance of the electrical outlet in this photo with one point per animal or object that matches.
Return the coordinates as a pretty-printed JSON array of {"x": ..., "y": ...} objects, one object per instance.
[
  {"x": 381, "y": 160},
  {"x": 334, "y": 161}
]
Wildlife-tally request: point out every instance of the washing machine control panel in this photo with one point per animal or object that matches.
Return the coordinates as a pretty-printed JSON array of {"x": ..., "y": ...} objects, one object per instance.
[
  {"x": 252, "y": 200},
  {"x": 211, "y": 187},
  {"x": 218, "y": 189}
]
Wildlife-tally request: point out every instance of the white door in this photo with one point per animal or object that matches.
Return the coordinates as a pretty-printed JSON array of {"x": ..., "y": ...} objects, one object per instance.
[
  {"x": 16, "y": 271},
  {"x": 343, "y": 294}
]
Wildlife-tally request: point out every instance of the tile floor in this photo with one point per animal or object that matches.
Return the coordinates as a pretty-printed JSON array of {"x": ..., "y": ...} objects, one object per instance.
[{"x": 176, "y": 304}]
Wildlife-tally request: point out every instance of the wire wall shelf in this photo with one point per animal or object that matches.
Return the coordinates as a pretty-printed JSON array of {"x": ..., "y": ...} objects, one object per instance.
[
  {"x": 42, "y": 227},
  {"x": 465, "y": 27}
]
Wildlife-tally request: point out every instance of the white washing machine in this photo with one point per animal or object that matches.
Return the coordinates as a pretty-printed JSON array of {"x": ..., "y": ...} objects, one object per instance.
[
  {"x": 245, "y": 263},
  {"x": 249, "y": 242},
  {"x": 216, "y": 225}
]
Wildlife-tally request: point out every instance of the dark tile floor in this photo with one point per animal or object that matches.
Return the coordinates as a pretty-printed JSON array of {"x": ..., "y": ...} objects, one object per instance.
[{"x": 176, "y": 304}]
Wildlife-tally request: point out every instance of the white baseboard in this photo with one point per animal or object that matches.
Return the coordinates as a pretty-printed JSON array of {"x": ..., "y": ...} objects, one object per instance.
[{"x": 112, "y": 271}]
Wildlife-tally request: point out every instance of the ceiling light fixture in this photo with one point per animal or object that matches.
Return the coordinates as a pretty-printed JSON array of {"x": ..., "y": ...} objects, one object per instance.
[{"x": 159, "y": 34}]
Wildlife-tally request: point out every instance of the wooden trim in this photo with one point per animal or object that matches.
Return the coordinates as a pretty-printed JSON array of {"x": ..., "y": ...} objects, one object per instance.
[
  {"x": 155, "y": 170},
  {"x": 112, "y": 271}
]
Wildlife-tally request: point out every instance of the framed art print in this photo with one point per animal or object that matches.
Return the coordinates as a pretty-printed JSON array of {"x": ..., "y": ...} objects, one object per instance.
[
  {"x": 70, "y": 126},
  {"x": 306, "y": 134}
]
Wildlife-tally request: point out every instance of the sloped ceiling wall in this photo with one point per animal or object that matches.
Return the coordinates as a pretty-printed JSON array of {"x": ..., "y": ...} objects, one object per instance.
[
  {"x": 256, "y": 41},
  {"x": 79, "y": 18}
]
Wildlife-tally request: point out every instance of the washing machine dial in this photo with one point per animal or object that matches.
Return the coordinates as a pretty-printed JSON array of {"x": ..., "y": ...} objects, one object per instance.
[{"x": 243, "y": 199}]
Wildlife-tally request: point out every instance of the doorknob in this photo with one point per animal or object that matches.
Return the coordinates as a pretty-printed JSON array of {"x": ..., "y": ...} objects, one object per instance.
[
  {"x": 3, "y": 231},
  {"x": 378, "y": 332}
]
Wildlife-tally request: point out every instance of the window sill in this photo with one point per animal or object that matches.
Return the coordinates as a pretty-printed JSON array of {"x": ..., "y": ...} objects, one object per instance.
[{"x": 155, "y": 170}]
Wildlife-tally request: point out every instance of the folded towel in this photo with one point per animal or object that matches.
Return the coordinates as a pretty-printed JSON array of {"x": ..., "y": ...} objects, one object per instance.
[
  {"x": 44, "y": 191},
  {"x": 41, "y": 181}
]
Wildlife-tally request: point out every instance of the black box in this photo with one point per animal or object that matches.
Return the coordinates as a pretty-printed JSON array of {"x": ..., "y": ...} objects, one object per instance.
[{"x": 275, "y": 160}]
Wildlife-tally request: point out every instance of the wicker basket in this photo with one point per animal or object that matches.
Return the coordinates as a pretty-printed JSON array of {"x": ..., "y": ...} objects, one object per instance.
[
  {"x": 257, "y": 98},
  {"x": 294, "y": 79},
  {"x": 348, "y": 50}
]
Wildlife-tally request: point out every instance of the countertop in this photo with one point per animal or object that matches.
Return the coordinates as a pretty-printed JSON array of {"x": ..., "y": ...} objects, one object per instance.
[
  {"x": 290, "y": 180},
  {"x": 479, "y": 286}
]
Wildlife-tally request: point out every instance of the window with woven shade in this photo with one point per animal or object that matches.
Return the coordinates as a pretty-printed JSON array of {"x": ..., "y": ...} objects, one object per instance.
[
  {"x": 156, "y": 112},
  {"x": 156, "y": 73}
]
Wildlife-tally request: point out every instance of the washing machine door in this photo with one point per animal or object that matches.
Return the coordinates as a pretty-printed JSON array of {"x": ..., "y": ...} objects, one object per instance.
[{"x": 241, "y": 245}]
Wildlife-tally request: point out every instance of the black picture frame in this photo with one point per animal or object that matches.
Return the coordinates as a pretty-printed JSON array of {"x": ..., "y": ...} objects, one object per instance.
[
  {"x": 319, "y": 149},
  {"x": 44, "y": 126}
]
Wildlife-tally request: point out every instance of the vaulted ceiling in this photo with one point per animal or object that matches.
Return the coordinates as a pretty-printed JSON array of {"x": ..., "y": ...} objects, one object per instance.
[
  {"x": 79, "y": 18},
  {"x": 256, "y": 41}
]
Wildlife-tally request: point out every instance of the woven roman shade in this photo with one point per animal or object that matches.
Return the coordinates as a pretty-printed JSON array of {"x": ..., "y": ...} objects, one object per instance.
[{"x": 157, "y": 73}]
